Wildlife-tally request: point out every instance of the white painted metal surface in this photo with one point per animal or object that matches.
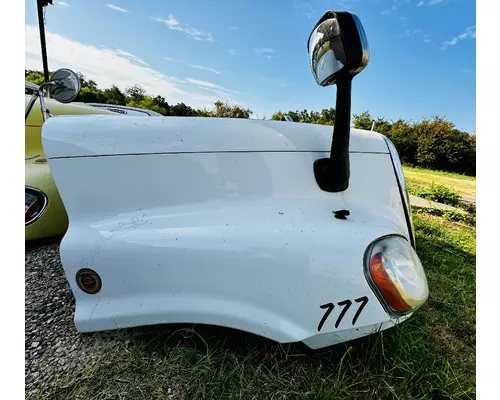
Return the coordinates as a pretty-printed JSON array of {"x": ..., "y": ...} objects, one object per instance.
[
  {"x": 220, "y": 222},
  {"x": 95, "y": 135}
]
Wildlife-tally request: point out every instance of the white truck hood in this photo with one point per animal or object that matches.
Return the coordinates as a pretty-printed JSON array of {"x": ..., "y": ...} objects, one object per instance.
[{"x": 83, "y": 136}]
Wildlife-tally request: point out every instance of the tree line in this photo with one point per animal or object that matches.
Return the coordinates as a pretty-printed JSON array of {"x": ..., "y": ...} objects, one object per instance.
[
  {"x": 433, "y": 143},
  {"x": 136, "y": 96}
]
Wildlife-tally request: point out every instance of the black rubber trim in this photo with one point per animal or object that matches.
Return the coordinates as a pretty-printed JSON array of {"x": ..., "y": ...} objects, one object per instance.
[
  {"x": 209, "y": 152},
  {"x": 406, "y": 207}
]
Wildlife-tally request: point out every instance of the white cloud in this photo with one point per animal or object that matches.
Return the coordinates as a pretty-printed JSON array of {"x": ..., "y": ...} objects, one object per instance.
[
  {"x": 232, "y": 52},
  {"x": 305, "y": 6},
  {"x": 116, "y": 67},
  {"x": 469, "y": 33},
  {"x": 411, "y": 32},
  {"x": 264, "y": 51},
  {"x": 390, "y": 11},
  {"x": 192, "y": 33},
  {"x": 116, "y": 8},
  {"x": 131, "y": 57},
  {"x": 205, "y": 68},
  {"x": 62, "y": 4},
  {"x": 430, "y": 3},
  {"x": 211, "y": 86},
  {"x": 393, "y": 10},
  {"x": 170, "y": 21}
]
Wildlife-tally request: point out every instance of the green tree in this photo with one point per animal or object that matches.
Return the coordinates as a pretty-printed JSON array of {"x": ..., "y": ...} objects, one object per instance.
[
  {"x": 135, "y": 92},
  {"x": 182, "y": 110},
  {"x": 114, "y": 96},
  {"x": 162, "y": 103},
  {"x": 304, "y": 117},
  {"x": 35, "y": 77},
  {"x": 404, "y": 138},
  {"x": 225, "y": 110},
  {"x": 382, "y": 126},
  {"x": 277, "y": 116},
  {"x": 204, "y": 112},
  {"x": 327, "y": 116},
  {"x": 363, "y": 120},
  {"x": 89, "y": 95},
  {"x": 87, "y": 83},
  {"x": 147, "y": 103}
]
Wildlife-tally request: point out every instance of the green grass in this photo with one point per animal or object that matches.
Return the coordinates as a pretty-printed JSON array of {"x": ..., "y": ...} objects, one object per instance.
[
  {"x": 438, "y": 193},
  {"x": 450, "y": 215},
  {"x": 420, "y": 178},
  {"x": 432, "y": 355}
]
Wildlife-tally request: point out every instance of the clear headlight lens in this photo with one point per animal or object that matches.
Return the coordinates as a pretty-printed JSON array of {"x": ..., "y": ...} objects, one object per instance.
[
  {"x": 395, "y": 272},
  {"x": 35, "y": 203}
]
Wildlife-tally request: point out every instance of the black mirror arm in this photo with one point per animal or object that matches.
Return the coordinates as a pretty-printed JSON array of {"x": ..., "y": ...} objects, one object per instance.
[{"x": 332, "y": 174}]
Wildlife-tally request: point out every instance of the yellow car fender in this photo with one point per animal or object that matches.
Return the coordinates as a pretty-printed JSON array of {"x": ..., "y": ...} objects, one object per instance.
[{"x": 53, "y": 221}]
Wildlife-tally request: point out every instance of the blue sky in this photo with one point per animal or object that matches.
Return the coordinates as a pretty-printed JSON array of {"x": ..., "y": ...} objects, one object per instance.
[{"x": 253, "y": 52}]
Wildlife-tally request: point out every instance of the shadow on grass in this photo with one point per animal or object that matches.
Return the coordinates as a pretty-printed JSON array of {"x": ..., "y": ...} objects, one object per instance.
[
  {"x": 214, "y": 362},
  {"x": 420, "y": 358}
]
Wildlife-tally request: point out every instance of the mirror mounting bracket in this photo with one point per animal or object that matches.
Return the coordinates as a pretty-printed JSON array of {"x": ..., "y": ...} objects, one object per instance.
[
  {"x": 64, "y": 85},
  {"x": 338, "y": 51},
  {"x": 332, "y": 174},
  {"x": 38, "y": 94}
]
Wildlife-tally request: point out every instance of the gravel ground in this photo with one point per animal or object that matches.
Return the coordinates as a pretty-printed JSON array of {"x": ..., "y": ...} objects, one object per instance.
[{"x": 53, "y": 347}]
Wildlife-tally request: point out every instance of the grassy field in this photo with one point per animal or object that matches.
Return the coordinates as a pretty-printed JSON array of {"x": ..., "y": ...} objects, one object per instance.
[
  {"x": 432, "y": 355},
  {"x": 425, "y": 178}
]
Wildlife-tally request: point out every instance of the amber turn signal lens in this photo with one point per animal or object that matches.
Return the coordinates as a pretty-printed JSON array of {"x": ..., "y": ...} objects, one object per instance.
[
  {"x": 396, "y": 275},
  {"x": 385, "y": 285}
]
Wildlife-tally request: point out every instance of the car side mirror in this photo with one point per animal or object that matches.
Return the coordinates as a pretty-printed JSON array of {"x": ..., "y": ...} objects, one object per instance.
[
  {"x": 338, "y": 48},
  {"x": 64, "y": 85},
  {"x": 338, "y": 51}
]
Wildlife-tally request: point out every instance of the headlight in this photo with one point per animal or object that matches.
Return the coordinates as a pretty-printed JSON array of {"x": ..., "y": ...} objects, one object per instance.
[
  {"x": 398, "y": 169},
  {"x": 35, "y": 203},
  {"x": 396, "y": 275}
]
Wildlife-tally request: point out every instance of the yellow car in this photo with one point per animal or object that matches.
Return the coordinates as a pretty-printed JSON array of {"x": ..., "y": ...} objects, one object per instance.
[{"x": 44, "y": 211}]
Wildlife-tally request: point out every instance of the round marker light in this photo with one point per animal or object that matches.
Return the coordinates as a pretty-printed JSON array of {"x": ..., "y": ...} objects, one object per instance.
[
  {"x": 395, "y": 272},
  {"x": 88, "y": 281}
]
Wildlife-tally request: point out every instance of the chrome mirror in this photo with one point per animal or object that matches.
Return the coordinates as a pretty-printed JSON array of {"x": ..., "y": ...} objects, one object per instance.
[
  {"x": 337, "y": 47},
  {"x": 64, "y": 85},
  {"x": 338, "y": 51}
]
